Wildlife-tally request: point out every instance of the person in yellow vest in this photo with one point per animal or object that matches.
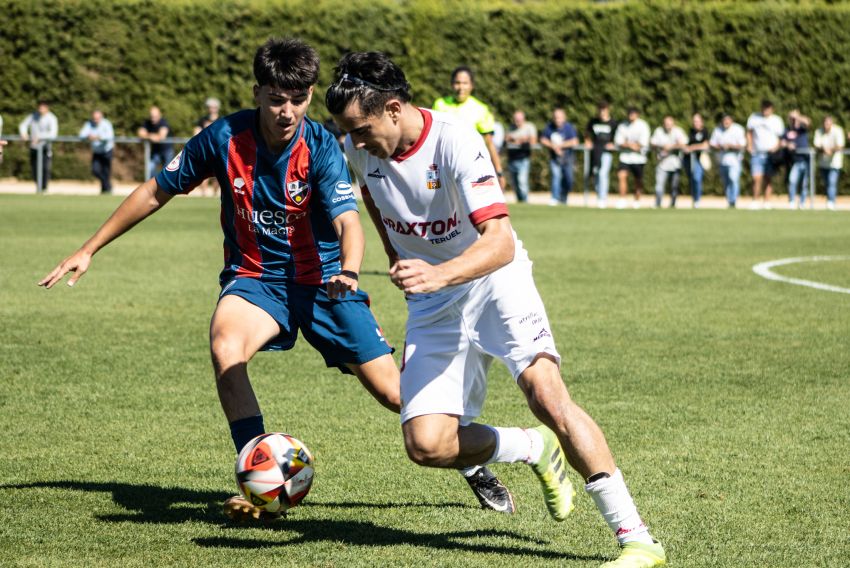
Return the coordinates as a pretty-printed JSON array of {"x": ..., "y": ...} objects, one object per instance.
[{"x": 477, "y": 113}]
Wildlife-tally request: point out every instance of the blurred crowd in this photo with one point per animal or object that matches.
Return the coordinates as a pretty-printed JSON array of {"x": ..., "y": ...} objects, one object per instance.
[{"x": 775, "y": 148}]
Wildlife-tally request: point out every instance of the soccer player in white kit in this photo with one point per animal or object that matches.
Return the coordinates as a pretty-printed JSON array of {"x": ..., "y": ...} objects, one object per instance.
[{"x": 432, "y": 192}]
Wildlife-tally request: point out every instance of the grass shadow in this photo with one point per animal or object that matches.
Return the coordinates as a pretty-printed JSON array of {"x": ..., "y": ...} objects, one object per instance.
[
  {"x": 169, "y": 505},
  {"x": 361, "y": 533}
]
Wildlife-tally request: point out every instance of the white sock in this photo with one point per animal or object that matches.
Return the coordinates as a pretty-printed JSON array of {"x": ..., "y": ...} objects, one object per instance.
[
  {"x": 613, "y": 500},
  {"x": 516, "y": 445},
  {"x": 469, "y": 471}
]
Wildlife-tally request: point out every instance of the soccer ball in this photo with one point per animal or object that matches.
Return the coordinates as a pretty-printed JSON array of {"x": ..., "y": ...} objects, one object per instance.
[{"x": 274, "y": 471}]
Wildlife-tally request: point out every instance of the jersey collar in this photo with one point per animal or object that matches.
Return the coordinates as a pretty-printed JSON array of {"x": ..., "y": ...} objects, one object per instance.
[{"x": 426, "y": 116}]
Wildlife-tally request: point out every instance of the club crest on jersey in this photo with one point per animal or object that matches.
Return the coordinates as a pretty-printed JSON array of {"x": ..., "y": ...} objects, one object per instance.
[
  {"x": 298, "y": 191},
  {"x": 432, "y": 177}
]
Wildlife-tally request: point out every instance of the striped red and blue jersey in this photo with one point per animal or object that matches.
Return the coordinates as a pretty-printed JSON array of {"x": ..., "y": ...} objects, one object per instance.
[{"x": 276, "y": 209}]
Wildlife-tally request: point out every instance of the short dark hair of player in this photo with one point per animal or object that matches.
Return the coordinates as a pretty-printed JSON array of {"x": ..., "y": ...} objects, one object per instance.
[
  {"x": 766, "y": 104},
  {"x": 288, "y": 64},
  {"x": 463, "y": 69},
  {"x": 602, "y": 104},
  {"x": 369, "y": 77}
]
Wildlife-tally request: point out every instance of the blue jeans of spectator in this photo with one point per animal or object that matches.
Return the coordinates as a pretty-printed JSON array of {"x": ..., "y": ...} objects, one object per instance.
[
  {"x": 661, "y": 177},
  {"x": 519, "y": 170},
  {"x": 695, "y": 176},
  {"x": 830, "y": 180},
  {"x": 730, "y": 176},
  {"x": 159, "y": 160},
  {"x": 602, "y": 175},
  {"x": 798, "y": 177},
  {"x": 562, "y": 179}
]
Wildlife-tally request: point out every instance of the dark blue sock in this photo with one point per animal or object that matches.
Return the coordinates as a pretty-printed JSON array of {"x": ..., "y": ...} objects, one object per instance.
[{"x": 245, "y": 429}]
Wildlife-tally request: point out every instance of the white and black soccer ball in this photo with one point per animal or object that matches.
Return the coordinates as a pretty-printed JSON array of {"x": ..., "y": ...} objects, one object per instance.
[{"x": 274, "y": 471}]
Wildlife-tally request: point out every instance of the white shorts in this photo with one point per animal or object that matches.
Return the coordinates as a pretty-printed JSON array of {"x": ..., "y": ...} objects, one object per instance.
[{"x": 447, "y": 354}]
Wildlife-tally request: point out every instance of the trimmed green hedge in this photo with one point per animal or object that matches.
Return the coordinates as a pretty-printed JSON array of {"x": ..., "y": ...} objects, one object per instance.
[{"x": 665, "y": 57}]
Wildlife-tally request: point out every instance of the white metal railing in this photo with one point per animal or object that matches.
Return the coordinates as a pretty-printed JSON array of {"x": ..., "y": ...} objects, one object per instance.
[{"x": 146, "y": 144}]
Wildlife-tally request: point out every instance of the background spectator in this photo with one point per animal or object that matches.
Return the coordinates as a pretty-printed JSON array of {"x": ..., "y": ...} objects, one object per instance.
[
  {"x": 156, "y": 129},
  {"x": 830, "y": 141},
  {"x": 668, "y": 140},
  {"x": 696, "y": 157},
  {"x": 519, "y": 140},
  {"x": 213, "y": 106},
  {"x": 40, "y": 128},
  {"x": 560, "y": 137},
  {"x": 796, "y": 143},
  {"x": 729, "y": 140},
  {"x": 764, "y": 132},
  {"x": 599, "y": 137},
  {"x": 463, "y": 104},
  {"x": 98, "y": 130},
  {"x": 632, "y": 139}
]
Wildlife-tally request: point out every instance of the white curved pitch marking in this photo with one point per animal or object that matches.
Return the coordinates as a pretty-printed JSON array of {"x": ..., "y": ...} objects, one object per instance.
[{"x": 763, "y": 269}]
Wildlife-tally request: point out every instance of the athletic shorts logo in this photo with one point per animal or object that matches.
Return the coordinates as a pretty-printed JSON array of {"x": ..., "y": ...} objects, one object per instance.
[
  {"x": 432, "y": 177},
  {"x": 376, "y": 174},
  {"x": 542, "y": 333},
  {"x": 298, "y": 191},
  {"x": 175, "y": 163}
]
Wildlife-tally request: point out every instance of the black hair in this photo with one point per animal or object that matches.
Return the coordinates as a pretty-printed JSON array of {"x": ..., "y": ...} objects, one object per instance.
[
  {"x": 602, "y": 103},
  {"x": 463, "y": 69},
  {"x": 766, "y": 103},
  {"x": 288, "y": 64},
  {"x": 371, "y": 78}
]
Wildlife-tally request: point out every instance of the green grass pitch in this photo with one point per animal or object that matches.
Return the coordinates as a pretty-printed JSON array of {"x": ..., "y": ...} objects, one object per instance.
[{"x": 725, "y": 398}]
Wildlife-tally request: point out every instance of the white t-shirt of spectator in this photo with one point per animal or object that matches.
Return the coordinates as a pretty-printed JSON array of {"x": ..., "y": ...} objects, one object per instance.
[
  {"x": 833, "y": 141},
  {"x": 669, "y": 161},
  {"x": 637, "y": 131},
  {"x": 732, "y": 136},
  {"x": 767, "y": 130}
]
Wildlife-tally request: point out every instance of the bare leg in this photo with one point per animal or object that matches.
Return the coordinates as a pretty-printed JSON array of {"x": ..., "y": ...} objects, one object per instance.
[
  {"x": 623, "y": 183},
  {"x": 237, "y": 331},
  {"x": 381, "y": 378},
  {"x": 583, "y": 441},
  {"x": 438, "y": 440}
]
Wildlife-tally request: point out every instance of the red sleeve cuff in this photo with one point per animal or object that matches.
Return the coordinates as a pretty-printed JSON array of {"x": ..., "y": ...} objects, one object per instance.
[{"x": 490, "y": 212}]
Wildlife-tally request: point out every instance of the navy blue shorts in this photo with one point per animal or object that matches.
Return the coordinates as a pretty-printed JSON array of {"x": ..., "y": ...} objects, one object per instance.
[{"x": 343, "y": 330}]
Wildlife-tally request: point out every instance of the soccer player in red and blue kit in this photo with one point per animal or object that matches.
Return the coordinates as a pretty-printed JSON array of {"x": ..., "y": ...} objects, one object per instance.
[{"x": 293, "y": 245}]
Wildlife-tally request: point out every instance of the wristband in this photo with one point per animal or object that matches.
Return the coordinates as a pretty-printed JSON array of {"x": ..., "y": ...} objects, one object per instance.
[
  {"x": 500, "y": 174},
  {"x": 349, "y": 274}
]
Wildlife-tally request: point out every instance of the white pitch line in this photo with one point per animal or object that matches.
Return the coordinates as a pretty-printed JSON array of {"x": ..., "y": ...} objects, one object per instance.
[{"x": 763, "y": 269}]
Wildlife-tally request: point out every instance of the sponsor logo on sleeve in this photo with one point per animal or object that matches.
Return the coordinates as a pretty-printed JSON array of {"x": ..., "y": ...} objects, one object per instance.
[
  {"x": 344, "y": 192},
  {"x": 485, "y": 181},
  {"x": 175, "y": 163}
]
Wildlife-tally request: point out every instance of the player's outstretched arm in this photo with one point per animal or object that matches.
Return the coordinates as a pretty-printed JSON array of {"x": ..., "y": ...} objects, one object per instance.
[
  {"x": 492, "y": 251},
  {"x": 145, "y": 200},
  {"x": 352, "y": 244}
]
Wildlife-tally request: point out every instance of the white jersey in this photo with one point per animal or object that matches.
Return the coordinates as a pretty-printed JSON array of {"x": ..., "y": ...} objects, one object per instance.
[{"x": 432, "y": 196}]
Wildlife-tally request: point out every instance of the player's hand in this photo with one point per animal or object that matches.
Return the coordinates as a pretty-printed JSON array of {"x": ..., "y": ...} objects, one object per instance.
[
  {"x": 341, "y": 284},
  {"x": 78, "y": 263},
  {"x": 415, "y": 276}
]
